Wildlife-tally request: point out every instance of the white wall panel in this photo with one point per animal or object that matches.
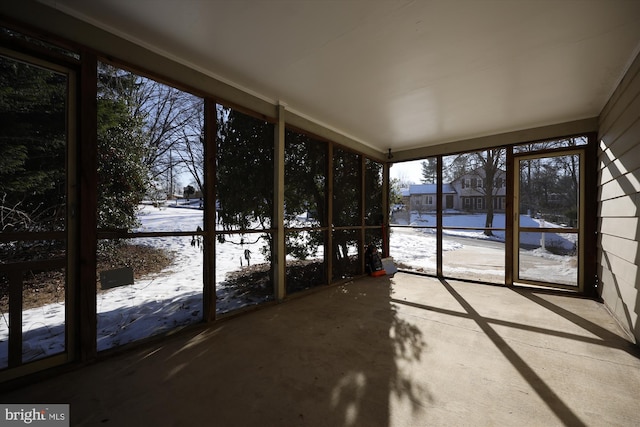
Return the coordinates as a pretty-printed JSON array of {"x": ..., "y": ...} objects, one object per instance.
[
  {"x": 623, "y": 186},
  {"x": 624, "y": 248},
  {"x": 618, "y": 196},
  {"x": 625, "y": 206}
]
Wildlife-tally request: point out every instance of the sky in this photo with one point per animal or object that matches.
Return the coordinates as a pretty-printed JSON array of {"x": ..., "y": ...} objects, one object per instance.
[{"x": 407, "y": 171}]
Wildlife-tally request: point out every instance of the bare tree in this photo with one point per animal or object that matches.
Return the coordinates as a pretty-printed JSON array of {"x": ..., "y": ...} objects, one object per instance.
[
  {"x": 171, "y": 117},
  {"x": 487, "y": 168},
  {"x": 550, "y": 176},
  {"x": 491, "y": 162},
  {"x": 191, "y": 145}
]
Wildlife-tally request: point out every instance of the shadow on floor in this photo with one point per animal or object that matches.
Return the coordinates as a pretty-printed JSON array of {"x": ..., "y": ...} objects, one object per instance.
[{"x": 328, "y": 359}]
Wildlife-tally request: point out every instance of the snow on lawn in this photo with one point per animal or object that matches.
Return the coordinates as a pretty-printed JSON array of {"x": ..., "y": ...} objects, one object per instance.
[
  {"x": 565, "y": 241},
  {"x": 160, "y": 301},
  {"x": 153, "y": 304},
  {"x": 415, "y": 248},
  {"x": 173, "y": 297}
]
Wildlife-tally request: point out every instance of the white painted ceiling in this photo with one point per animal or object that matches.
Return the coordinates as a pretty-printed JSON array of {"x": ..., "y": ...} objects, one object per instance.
[{"x": 396, "y": 74}]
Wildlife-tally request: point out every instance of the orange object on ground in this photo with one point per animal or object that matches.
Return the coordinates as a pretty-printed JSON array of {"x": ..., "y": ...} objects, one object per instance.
[{"x": 379, "y": 273}]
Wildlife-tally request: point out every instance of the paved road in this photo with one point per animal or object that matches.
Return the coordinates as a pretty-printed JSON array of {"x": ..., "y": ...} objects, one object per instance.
[{"x": 483, "y": 259}]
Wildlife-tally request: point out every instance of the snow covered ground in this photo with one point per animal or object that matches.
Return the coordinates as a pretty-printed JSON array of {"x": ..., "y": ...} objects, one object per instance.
[
  {"x": 470, "y": 254},
  {"x": 173, "y": 297}
]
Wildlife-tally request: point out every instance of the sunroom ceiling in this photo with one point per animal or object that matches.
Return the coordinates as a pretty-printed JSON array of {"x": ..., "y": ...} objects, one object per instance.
[{"x": 396, "y": 74}]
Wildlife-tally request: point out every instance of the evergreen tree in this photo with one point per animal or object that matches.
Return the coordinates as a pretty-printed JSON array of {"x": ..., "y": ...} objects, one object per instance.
[
  {"x": 346, "y": 188},
  {"x": 244, "y": 173},
  {"x": 122, "y": 173},
  {"x": 373, "y": 193},
  {"x": 395, "y": 191},
  {"x": 429, "y": 170},
  {"x": 305, "y": 190},
  {"x": 347, "y": 191},
  {"x": 32, "y": 147}
]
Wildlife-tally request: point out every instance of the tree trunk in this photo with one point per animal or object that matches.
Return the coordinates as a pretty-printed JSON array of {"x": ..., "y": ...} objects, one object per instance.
[
  {"x": 489, "y": 219},
  {"x": 489, "y": 173}
]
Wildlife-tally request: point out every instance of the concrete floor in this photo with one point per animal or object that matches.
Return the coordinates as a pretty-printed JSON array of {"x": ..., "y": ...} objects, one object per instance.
[{"x": 405, "y": 351}]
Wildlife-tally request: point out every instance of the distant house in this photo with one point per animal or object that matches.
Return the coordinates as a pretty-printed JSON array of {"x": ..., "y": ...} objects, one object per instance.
[
  {"x": 471, "y": 190},
  {"x": 422, "y": 197},
  {"x": 466, "y": 193},
  {"x": 406, "y": 197}
]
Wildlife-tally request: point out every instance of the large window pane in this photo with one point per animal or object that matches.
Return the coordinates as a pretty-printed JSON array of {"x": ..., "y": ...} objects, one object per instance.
[
  {"x": 150, "y": 152},
  {"x": 244, "y": 171},
  {"x": 147, "y": 286},
  {"x": 548, "y": 257},
  {"x": 244, "y": 201},
  {"x": 549, "y": 189},
  {"x": 305, "y": 211},
  {"x": 34, "y": 108},
  {"x": 474, "y": 202},
  {"x": 347, "y": 197},
  {"x": 305, "y": 176},
  {"x": 151, "y": 180},
  {"x": 473, "y": 217},
  {"x": 413, "y": 201}
]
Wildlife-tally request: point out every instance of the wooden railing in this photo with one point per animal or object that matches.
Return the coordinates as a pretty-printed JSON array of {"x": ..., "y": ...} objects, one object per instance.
[{"x": 15, "y": 274}]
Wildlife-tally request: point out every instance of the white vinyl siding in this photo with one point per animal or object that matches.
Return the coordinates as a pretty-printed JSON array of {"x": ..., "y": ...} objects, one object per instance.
[{"x": 619, "y": 198}]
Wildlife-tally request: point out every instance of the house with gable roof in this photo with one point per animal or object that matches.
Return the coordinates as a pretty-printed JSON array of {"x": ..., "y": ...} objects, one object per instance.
[
  {"x": 465, "y": 193},
  {"x": 423, "y": 197},
  {"x": 471, "y": 191}
]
